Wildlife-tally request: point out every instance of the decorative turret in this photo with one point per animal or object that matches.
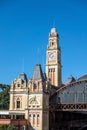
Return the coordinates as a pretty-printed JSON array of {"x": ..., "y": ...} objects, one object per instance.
[
  {"x": 38, "y": 74},
  {"x": 18, "y": 97},
  {"x": 53, "y": 39},
  {"x": 23, "y": 76},
  {"x": 38, "y": 81},
  {"x": 53, "y": 33}
]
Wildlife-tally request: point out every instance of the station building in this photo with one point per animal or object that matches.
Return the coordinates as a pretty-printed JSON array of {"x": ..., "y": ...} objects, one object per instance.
[{"x": 43, "y": 102}]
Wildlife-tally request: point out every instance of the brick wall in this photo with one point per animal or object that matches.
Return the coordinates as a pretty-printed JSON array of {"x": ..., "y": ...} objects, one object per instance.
[{"x": 5, "y": 121}]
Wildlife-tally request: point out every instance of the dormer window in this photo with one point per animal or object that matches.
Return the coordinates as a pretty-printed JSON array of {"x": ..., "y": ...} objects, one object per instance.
[
  {"x": 22, "y": 81},
  {"x": 34, "y": 85},
  {"x": 18, "y": 85}
]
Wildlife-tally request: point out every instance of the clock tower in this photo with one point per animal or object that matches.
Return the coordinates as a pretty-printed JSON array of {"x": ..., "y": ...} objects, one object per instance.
[{"x": 53, "y": 59}]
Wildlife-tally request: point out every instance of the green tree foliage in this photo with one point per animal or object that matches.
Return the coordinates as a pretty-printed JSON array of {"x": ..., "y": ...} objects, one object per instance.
[
  {"x": 2, "y": 127},
  {"x": 11, "y": 127},
  {"x": 4, "y": 96},
  {"x": 7, "y": 127}
]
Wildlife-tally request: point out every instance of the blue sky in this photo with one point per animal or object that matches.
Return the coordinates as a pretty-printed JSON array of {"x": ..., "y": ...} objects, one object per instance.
[{"x": 24, "y": 29}]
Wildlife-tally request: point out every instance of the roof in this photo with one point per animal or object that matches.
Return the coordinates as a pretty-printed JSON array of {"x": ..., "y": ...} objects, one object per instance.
[
  {"x": 84, "y": 77},
  {"x": 23, "y": 76},
  {"x": 69, "y": 80},
  {"x": 38, "y": 74},
  {"x": 53, "y": 32}
]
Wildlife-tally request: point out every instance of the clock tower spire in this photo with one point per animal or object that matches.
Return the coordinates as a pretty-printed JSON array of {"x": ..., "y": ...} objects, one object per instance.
[{"x": 53, "y": 59}]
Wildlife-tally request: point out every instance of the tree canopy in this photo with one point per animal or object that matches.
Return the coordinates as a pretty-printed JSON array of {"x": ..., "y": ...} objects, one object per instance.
[
  {"x": 4, "y": 96},
  {"x": 7, "y": 127}
]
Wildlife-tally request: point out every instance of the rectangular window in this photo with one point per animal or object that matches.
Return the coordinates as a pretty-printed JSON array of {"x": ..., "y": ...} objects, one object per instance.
[
  {"x": 18, "y": 104},
  {"x": 38, "y": 119}
]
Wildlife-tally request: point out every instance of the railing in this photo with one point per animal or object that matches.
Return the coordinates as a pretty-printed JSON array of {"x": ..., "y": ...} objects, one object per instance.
[{"x": 69, "y": 107}]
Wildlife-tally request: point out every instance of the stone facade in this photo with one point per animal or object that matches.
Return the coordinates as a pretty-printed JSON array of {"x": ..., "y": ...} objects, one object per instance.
[{"x": 29, "y": 99}]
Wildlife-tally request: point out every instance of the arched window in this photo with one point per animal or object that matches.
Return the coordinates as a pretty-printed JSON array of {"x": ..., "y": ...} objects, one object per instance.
[
  {"x": 29, "y": 115},
  {"x": 38, "y": 119},
  {"x": 30, "y": 118},
  {"x": 34, "y": 86},
  {"x": 18, "y": 104},
  {"x": 33, "y": 119}
]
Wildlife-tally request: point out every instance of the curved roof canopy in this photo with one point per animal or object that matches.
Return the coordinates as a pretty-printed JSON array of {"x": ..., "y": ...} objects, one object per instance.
[{"x": 84, "y": 77}]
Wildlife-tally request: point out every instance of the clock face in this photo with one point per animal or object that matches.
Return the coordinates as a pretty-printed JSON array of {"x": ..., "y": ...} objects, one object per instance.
[{"x": 52, "y": 55}]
